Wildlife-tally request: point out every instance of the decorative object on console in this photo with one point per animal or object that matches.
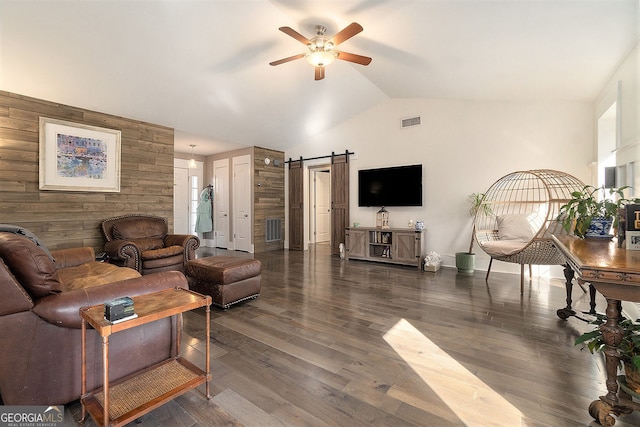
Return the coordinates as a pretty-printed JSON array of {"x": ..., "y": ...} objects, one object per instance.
[
  {"x": 420, "y": 225},
  {"x": 118, "y": 309},
  {"x": 382, "y": 218},
  {"x": 630, "y": 233},
  {"x": 591, "y": 211},
  {"x": 600, "y": 227},
  {"x": 78, "y": 157}
]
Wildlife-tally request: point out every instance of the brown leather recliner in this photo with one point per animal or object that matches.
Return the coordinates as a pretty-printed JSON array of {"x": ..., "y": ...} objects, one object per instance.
[
  {"x": 40, "y": 343},
  {"x": 143, "y": 243}
]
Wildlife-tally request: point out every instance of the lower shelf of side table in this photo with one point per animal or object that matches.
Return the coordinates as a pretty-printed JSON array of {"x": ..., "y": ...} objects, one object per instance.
[{"x": 138, "y": 394}]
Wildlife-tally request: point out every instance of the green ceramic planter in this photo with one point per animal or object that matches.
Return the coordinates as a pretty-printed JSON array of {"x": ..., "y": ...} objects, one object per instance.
[{"x": 465, "y": 262}]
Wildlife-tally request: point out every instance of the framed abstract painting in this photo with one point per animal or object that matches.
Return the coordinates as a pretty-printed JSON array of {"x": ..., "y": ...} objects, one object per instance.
[{"x": 78, "y": 157}]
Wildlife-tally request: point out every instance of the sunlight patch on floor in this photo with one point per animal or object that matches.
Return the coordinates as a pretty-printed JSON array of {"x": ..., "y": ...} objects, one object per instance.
[{"x": 473, "y": 401}]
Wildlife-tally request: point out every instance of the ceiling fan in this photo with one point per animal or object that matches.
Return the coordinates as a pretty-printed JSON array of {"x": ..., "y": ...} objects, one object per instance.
[{"x": 322, "y": 50}]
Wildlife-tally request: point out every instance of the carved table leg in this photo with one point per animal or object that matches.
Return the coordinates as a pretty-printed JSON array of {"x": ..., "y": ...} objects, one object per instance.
[
  {"x": 612, "y": 334},
  {"x": 601, "y": 412},
  {"x": 604, "y": 412},
  {"x": 565, "y": 313}
]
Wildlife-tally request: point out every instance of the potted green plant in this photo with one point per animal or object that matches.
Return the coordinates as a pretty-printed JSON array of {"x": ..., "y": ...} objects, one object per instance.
[
  {"x": 593, "y": 205},
  {"x": 628, "y": 349},
  {"x": 465, "y": 261}
]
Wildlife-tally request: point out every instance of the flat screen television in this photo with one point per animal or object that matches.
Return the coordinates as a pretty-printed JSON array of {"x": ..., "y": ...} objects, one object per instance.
[{"x": 394, "y": 186}]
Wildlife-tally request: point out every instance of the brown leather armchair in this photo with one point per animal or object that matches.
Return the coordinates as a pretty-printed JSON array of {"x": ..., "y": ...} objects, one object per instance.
[
  {"x": 143, "y": 242},
  {"x": 40, "y": 351}
]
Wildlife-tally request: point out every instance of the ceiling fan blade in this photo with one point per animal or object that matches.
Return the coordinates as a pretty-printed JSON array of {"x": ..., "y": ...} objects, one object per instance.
[
  {"x": 283, "y": 60},
  {"x": 352, "y": 57},
  {"x": 319, "y": 73},
  {"x": 296, "y": 35},
  {"x": 348, "y": 32}
]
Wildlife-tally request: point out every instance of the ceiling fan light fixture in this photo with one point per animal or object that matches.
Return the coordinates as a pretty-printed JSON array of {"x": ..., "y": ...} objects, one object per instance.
[
  {"x": 321, "y": 58},
  {"x": 321, "y": 48}
]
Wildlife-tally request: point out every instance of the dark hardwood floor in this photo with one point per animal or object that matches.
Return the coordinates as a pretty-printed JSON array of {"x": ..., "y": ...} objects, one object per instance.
[{"x": 337, "y": 343}]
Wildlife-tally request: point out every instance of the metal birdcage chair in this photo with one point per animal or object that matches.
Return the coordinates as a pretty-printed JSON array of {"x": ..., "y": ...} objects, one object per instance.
[{"x": 518, "y": 215}]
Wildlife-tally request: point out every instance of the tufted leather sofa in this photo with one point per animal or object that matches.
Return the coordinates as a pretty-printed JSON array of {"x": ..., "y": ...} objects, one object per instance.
[
  {"x": 40, "y": 298},
  {"x": 143, "y": 243}
]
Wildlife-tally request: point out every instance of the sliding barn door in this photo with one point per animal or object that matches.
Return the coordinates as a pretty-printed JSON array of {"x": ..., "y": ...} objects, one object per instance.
[
  {"x": 339, "y": 200},
  {"x": 296, "y": 211}
]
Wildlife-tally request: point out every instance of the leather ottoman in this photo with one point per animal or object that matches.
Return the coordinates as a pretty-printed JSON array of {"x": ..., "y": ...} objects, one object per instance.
[{"x": 229, "y": 280}]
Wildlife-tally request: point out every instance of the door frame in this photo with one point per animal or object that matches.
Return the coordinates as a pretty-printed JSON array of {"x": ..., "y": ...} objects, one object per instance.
[
  {"x": 313, "y": 170},
  {"x": 311, "y": 163}
]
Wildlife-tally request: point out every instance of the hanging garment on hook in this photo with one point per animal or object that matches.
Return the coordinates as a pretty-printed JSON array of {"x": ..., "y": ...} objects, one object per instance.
[{"x": 204, "y": 218}]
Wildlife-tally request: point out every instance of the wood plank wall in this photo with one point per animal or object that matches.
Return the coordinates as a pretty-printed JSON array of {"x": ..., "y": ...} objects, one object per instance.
[
  {"x": 268, "y": 196},
  {"x": 68, "y": 219}
]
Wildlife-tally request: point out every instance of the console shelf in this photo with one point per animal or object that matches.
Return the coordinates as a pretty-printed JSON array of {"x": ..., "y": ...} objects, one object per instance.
[
  {"x": 404, "y": 246},
  {"x": 148, "y": 389}
]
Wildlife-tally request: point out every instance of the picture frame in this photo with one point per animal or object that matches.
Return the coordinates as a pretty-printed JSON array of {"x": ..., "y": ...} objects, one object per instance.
[{"x": 79, "y": 157}]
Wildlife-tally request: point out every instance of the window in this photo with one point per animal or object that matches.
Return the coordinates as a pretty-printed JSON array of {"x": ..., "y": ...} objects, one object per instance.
[{"x": 194, "y": 199}]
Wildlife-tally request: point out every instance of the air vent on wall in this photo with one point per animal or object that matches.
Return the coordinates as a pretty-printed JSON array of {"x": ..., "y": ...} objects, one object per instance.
[
  {"x": 273, "y": 229},
  {"x": 413, "y": 121}
]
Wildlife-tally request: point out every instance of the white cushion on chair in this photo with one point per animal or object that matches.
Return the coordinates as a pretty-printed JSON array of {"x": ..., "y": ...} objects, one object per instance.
[
  {"x": 517, "y": 227},
  {"x": 500, "y": 248}
]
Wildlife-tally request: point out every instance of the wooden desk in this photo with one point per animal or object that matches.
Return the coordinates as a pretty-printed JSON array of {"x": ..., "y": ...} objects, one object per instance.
[{"x": 615, "y": 273}]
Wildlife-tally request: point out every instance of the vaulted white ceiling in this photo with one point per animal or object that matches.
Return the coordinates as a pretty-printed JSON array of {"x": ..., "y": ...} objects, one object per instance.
[{"x": 202, "y": 67}]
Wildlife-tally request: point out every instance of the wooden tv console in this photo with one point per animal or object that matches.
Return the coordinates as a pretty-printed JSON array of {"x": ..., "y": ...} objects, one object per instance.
[{"x": 391, "y": 245}]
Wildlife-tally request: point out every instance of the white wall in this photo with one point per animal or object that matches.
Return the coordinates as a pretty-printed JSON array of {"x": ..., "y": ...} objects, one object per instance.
[
  {"x": 624, "y": 87},
  {"x": 464, "y": 146}
]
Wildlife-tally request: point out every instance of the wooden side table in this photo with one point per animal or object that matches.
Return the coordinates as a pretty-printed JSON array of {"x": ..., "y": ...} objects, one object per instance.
[
  {"x": 122, "y": 401},
  {"x": 615, "y": 273}
]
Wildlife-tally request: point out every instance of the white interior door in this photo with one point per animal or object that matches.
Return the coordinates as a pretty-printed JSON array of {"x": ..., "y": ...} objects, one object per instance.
[
  {"x": 242, "y": 219},
  {"x": 221, "y": 202},
  {"x": 181, "y": 200},
  {"x": 323, "y": 205}
]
